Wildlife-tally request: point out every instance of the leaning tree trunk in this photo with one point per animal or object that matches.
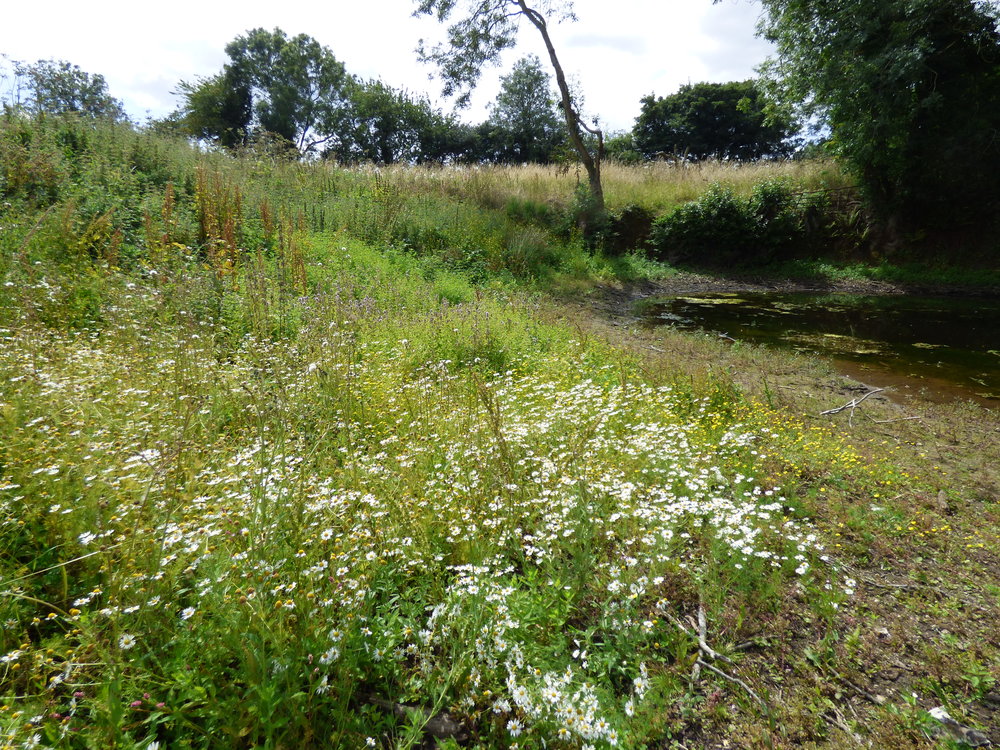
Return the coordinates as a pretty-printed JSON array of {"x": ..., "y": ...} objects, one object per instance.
[{"x": 574, "y": 125}]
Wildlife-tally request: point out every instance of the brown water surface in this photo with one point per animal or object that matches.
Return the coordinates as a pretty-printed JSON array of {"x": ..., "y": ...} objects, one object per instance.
[{"x": 943, "y": 347}]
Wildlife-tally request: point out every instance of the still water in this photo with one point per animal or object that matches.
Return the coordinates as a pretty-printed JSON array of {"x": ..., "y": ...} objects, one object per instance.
[{"x": 947, "y": 347}]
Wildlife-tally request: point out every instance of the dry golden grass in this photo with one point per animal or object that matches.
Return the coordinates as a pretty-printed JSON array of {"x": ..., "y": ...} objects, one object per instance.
[{"x": 656, "y": 185}]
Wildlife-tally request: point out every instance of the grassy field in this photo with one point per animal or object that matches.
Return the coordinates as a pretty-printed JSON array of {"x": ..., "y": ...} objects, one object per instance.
[
  {"x": 655, "y": 185},
  {"x": 294, "y": 456}
]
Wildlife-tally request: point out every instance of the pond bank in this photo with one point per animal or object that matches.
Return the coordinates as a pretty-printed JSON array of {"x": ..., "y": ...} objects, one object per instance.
[
  {"x": 886, "y": 348},
  {"x": 950, "y": 450},
  {"x": 958, "y": 437}
]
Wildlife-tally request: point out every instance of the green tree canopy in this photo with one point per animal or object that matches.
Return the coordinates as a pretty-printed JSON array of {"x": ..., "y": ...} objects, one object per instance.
[
  {"x": 385, "y": 125},
  {"x": 524, "y": 122},
  {"x": 291, "y": 87},
  {"x": 218, "y": 108},
  {"x": 702, "y": 120},
  {"x": 58, "y": 87},
  {"x": 910, "y": 90}
]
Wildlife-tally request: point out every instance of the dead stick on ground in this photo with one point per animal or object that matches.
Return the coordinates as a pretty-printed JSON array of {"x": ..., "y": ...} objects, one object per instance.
[
  {"x": 874, "y": 699},
  {"x": 944, "y": 593},
  {"x": 702, "y": 638},
  {"x": 738, "y": 681},
  {"x": 853, "y": 404},
  {"x": 696, "y": 669},
  {"x": 838, "y": 722},
  {"x": 704, "y": 650},
  {"x": 710, "y": 652}
]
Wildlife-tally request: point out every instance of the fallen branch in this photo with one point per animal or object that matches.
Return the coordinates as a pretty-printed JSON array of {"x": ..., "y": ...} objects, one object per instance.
[
  {"x": 877, "y": 700},
  {"x": 960, "y": 732},
  {"x": 746, "y": 645},
  {"x": 704, "y": 650},
  {"x": 853, "y": 404},
  {"x": 943, "y": 593},
  {"x": 887, "y": 585},
  {"x": 696, "y": 670},
  {"x": 702, "y": 639},
  {"x": 738, "y": 681},
  {"x": 837, "y": 721}
]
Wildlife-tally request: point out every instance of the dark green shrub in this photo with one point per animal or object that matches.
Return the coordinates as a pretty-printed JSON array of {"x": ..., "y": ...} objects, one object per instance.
[
  {"x": 423, "y": 240},
  {"x": 32, "y": 167},
  {"x": 778, "y": 219},
  {"x": 530, "y": 253},
  {"x": 716, "y": 227},
  {"x": 584, "y": 218},
  {"x": 775, "y": 222}
]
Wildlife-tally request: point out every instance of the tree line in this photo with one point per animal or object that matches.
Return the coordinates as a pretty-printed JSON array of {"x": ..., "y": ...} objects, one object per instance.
[
  {"x": 295, "y": 89},
  {"x": 293, "y": 93},
  {"x": 905, "y": 92}
]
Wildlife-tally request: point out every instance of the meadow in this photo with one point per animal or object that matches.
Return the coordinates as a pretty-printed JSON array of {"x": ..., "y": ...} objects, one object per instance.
[{"x": 299, "y": 456}]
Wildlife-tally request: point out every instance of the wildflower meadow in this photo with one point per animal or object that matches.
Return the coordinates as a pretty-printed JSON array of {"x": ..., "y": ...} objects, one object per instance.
[{"x": 270, "y": 484}]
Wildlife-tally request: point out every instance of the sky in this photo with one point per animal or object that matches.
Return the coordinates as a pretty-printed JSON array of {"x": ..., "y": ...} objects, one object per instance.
[{"x": 615, "y": 53}]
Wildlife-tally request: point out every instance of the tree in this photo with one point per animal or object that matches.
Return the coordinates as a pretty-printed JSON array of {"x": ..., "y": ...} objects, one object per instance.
[
  {"x": 58, "y": 87},
  {"x": 620, "y": 146},
  {"x": 484, "y": 29},
  {"x": 721, "y": 120},
  {"x": 910, "y": 90},
  {"x": 218, "y": 108},
  {"x": 385, "y": 125},
  {"x": 523, "y": 118},
  {"x": 291, "y": 87}
]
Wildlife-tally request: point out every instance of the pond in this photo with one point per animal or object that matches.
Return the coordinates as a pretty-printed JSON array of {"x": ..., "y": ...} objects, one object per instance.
[{"x": 947, "y": 347}]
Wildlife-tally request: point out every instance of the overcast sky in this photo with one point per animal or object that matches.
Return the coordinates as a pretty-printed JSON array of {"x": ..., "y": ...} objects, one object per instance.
[{"x": 617, "y": 52}]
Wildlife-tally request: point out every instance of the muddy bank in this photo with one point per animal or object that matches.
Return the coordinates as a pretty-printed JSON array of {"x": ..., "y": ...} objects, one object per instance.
[
  {"x": 959, "y": 434},
  {"x": 923, "y": 584}
]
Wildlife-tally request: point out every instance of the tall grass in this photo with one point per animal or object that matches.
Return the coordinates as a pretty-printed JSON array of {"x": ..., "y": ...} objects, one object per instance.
[
  {"x": 655, "y": 185},
  {"x": 111, "y": 191}
]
